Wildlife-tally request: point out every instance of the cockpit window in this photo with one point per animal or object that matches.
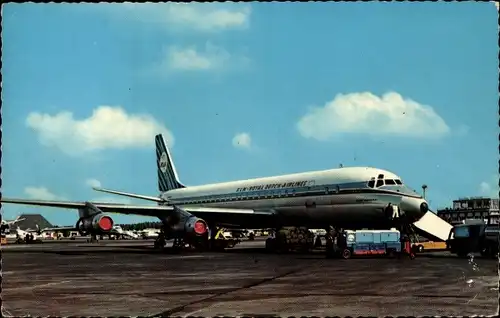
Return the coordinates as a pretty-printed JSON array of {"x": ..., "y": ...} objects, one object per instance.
[
  {"x": 398, "y": 181},
  {"x": 390, "y": 182},
  {"x": 380, "y": 176},
  {"x": 371, "y": 183},
  {"x": 380, "y": 183}
]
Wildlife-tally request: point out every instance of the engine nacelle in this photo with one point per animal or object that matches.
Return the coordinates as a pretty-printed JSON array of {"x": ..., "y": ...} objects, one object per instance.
[
  {"x": 183, "y": 224},
  {"x": 96, "y": 224},
  {"x": 190, "y": 226},
  {"x": 195, "y": 226}
]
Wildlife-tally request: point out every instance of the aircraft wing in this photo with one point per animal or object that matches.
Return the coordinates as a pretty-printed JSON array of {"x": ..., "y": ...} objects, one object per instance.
[
  {"x": 237, "y": 217},
  {"x": 130, "y": 195}
]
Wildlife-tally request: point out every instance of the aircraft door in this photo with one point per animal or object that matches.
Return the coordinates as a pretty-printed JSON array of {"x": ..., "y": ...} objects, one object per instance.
[{"x": 311, "y": 200}]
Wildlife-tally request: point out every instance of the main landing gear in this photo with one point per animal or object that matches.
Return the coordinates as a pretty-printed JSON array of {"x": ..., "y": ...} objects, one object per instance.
[
  {"x": 93, "y": 239},
  {"x": 288, "y": 239}
]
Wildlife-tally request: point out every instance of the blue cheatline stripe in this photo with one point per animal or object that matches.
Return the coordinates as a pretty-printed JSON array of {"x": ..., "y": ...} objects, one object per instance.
[{"x": 318, "y": 190}]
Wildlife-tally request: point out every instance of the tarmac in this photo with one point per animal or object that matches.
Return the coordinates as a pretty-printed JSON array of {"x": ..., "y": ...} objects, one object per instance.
[{"x": 129, "y": 278}]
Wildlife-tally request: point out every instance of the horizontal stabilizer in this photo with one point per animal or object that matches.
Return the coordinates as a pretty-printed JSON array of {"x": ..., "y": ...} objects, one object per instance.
[
  {"x": 433, "y": 227},
  {"x": 130, "y": 195}
]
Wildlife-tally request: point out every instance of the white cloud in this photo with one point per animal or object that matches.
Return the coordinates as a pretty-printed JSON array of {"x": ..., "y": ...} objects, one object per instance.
[
  {"x": 366, "y": 113},
  {"x": 94, "y": 183},
  {"x": 485, "y": 187},
  {"x": 206, "y": 17},
  {"x": 108, "y": 128},
  {"x": 242, "y": 141},
  {"x": 41, "y": 193},
  {"x": 491, "y": 188},
  {"x": 190, "y": 58}
]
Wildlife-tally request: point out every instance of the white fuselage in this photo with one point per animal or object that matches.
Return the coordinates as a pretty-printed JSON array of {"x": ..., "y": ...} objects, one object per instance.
[
  {"x": 118, "y": 229},
  {"x": 343, "y": 195},
  {"x": 149, "y": 233},
  {"x": 22, "y": 234}
]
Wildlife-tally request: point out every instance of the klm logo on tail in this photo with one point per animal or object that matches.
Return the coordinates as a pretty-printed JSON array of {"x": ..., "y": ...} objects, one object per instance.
[
  {"x": 163, "y": 162},
  {"x": 167, "y": 176}
]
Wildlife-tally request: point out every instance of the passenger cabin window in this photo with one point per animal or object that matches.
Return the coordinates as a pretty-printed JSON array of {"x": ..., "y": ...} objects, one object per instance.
[
  {"x": 398, "y": 182},
  {"x": 371, "y": 183},
  {"x": 390, "y": 182},
  {"x": 380, "y": 183}
]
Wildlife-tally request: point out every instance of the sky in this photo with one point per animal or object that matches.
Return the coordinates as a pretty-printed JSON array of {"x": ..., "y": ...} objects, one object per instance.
[{"x": 246, "y": 90}]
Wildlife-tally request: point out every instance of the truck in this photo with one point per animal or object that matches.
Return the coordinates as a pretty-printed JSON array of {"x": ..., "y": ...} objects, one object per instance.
[
  {"x": 371, "y": 242},
  {"x": 474, "y": 237},
  {"x": 224, "y": 239},
  {"x": 428, "y": 245}
]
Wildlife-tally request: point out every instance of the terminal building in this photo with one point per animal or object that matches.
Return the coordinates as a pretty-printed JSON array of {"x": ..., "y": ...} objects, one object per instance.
[{"x": 479, "y": 208}]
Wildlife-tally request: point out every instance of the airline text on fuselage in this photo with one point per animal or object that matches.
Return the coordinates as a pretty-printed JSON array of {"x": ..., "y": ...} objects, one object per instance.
[{"x": 273, "y": 186}]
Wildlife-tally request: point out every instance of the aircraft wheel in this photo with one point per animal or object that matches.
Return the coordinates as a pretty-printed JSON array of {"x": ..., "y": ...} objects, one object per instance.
[
  {"x": 346, "y": 253},
  {"x": 270, "y": 244}
]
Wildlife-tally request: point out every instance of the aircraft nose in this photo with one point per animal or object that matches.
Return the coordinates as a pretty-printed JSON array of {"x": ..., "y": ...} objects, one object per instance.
[
  {"x": 424, "y": 207},
  {"x": 414, "y": 206}
]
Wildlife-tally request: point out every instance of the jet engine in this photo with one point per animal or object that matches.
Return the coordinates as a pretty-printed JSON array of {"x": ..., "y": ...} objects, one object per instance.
[
  {"x": 183, "y": 225},
  {"x": 190, "y": 226},
  {"x": 195, "y": 226},
  {"x": 95, "y": 224}
]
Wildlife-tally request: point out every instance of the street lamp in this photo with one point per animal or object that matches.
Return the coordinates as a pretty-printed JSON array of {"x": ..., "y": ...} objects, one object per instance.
[{"x": 424, "y": 187}]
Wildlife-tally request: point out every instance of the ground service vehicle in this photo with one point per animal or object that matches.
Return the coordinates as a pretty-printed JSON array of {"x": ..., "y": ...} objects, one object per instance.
[
  {"x": 428, "y": 246},
  {"x": 223, "y": 239},
  {"x": 372, "y": 242},
  {"x": 473, "y": 238}
]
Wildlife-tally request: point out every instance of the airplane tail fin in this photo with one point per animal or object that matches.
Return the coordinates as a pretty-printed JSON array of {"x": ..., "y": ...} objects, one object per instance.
[
  {"x": 16, "y": 220},
  {"x": 167, "y": 175}
]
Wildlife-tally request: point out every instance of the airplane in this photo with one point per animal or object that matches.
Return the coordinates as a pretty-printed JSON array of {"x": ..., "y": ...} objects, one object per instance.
[
  {"x": 129, "y": 234},
  {"x": 346, "y": 197},
  {"x": 116, "y": 230},
  {"x": 149, "y": 233},
  {"x": 23, "y": 233},
  {"x": 9, "y": 223}
]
